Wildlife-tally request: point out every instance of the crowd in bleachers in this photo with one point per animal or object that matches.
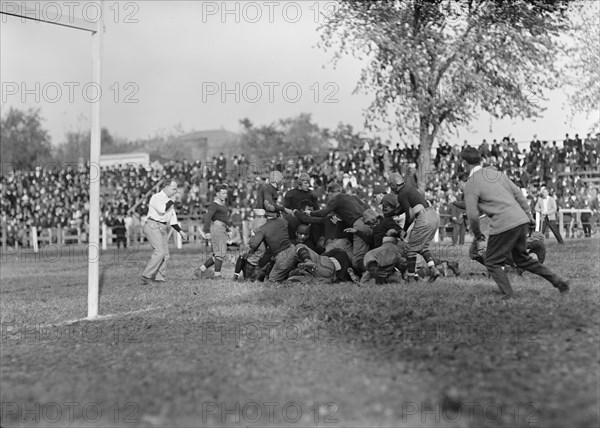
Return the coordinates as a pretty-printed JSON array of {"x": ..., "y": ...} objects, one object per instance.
[{"x": 52, "y": 196}]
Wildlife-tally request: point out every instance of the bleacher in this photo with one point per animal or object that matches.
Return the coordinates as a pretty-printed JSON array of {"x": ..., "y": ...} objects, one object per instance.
[
  {"x": 591, "y": 177},
  {"x": 126, "y": 191}
]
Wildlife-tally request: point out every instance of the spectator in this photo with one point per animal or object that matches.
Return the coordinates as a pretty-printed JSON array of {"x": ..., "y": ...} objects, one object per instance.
[{"x": 546, "y": 206}]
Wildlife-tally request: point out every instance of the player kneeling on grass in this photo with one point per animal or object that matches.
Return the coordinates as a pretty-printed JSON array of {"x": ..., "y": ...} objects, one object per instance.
[
  {"x": 274, "y": 233},
  {"x": 216, "y": 223},
  {"x": 386, "y": 263},
  {"x": 255, "y": 269},
  {"x": 331, "y": 266},
  {"x": 252, "y": 270}
]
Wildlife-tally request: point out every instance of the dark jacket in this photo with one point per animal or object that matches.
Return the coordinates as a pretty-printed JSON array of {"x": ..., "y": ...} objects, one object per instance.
[
  {"x": 275, "y": 234},
  {"x": 408, "y": 197},
  {"x": 293, "y": 198},
  {"x": 266, "y": 198},
  {"x": 348, "y": 207}
]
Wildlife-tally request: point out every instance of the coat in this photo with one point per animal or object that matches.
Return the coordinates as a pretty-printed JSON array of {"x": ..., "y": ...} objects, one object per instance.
[{"x": 539, "y": 206}]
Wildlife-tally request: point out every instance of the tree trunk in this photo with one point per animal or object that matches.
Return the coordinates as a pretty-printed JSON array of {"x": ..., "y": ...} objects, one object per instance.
[{"x": 425, "y": 142}]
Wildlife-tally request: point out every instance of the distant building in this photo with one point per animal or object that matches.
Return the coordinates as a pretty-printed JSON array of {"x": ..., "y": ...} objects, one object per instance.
[
  {"x": 201, "y": 145},
  {"x": 124, "y": 159},
  {"x": 193, "y": 146}
]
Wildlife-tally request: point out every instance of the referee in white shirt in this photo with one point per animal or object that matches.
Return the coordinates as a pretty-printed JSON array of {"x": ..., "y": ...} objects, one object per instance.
[
  {"x": 161, "y": 215},
  {"x": 546, "y": 205}
]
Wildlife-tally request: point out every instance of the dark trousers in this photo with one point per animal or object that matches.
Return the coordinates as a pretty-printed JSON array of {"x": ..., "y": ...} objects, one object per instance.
[
  {"x": 121, "y": 239},
  {"x": 458, "y": 233},
  {"x": 586, "y": 223},
  {"x": 513, "y": 242},
  {"x": 553, "y": 227}
]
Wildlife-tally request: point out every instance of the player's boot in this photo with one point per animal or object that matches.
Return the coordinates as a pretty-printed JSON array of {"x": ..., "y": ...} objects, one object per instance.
[
  {"x": 412, "y": 277},
  {"x": 353, "y": 276},
  {"x": 453, "y": 266},
  {"x": 434, "y": 273},
  {"x": 562, "y": 285}
]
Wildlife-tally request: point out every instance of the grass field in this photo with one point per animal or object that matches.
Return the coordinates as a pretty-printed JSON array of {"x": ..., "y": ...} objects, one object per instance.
[{"x": 221, "y": 353}]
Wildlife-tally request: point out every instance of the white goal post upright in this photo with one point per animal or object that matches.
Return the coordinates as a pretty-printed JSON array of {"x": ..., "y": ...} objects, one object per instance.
[
  {"x": 21, "y": 10},
  {"x": 94, "y": 234}
]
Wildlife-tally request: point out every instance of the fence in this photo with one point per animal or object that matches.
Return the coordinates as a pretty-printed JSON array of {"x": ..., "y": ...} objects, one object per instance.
[
  {"x": 575, "y": 219},
  {"x": 34, "y": 236}
]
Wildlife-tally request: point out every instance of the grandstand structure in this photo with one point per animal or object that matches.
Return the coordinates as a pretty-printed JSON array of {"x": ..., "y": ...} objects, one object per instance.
[
  {"x": 124, "y": 159},
  {"x": 196, "y": 179}
]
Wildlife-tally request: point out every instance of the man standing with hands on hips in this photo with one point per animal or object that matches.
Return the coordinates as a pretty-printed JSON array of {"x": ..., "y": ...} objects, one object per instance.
[
  {"x": 161, "y": 215},
  {"x": 490, "y": 191}
]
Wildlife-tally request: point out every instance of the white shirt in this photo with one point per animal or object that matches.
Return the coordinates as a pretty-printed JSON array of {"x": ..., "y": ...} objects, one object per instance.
[
  {"x": 545, "y": 205},
  {"x": 156, "y": 209},
  {"x": 474, "y": 170}
]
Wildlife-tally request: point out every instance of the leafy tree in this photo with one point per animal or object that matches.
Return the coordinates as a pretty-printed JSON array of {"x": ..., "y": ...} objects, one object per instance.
[
  {"x": 290, "y": 137},
  {"x": 260, "y": 142},
  {"x": 77, "y": 146},
  {"x": 582, "y": 71},
  {"x": 346, "y": 138},
  {"x": 434, "y": 64},
  {"x": 302, "y": 136},
  {"x": 23, "y": 141}
]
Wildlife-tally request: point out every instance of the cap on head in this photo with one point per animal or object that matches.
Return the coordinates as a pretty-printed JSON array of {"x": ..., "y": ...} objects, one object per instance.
[
  {"x": 334, "y": 187},
  {"x": 396, "y": 178},
  {"x": 389, "y": 202},
  {"x": 275, "y": 177},
  {"x": 471, "y": 156},
  {"x": 304, "y": 177}
]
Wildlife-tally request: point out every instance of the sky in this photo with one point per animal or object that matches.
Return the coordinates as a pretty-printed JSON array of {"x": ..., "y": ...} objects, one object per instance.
[{"x": 171, "y": 66}]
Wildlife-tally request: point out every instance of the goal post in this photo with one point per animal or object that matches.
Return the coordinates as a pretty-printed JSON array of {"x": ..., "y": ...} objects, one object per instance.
[
  {"x": 94, "y": 218},
  {"x": 44, "y": 12}
]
